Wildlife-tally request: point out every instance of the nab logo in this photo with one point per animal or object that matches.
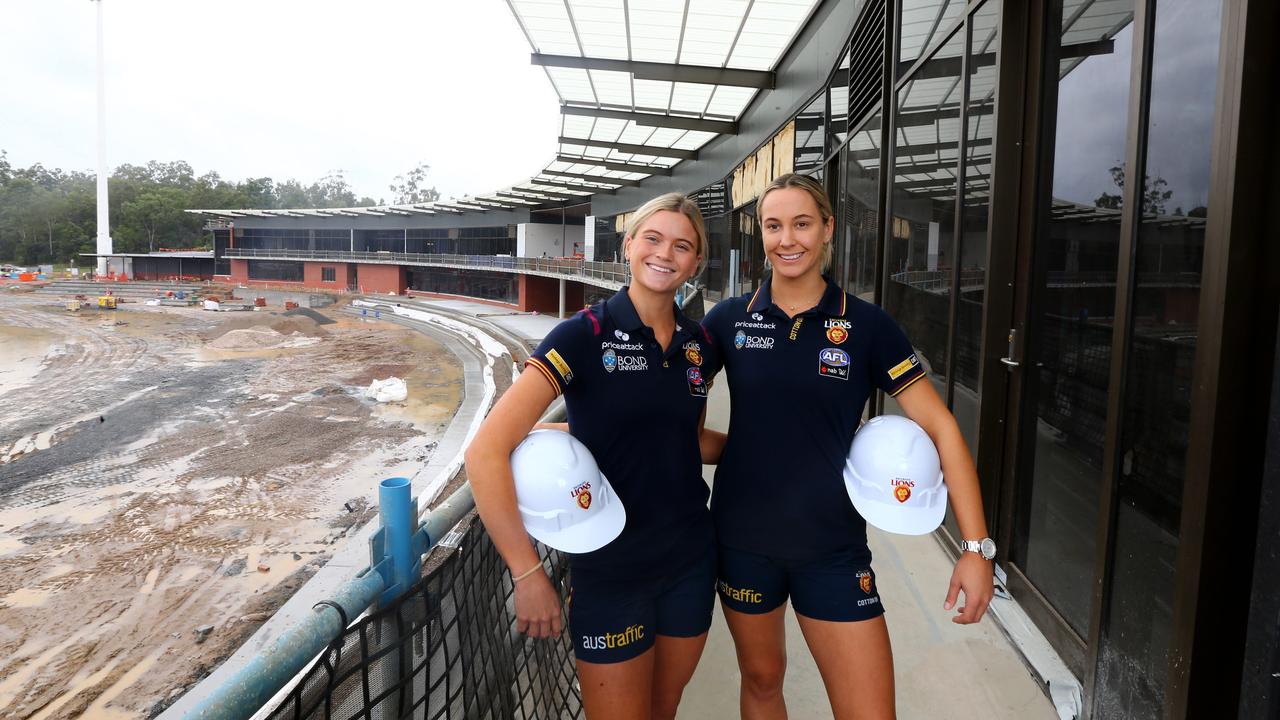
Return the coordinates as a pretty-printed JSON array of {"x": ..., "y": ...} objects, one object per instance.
[
  {"x": 610, "y": 360},
  {"x": 740, "y": 339}
]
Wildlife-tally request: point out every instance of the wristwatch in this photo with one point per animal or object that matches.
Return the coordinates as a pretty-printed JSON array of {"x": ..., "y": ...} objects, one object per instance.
[{"x": 986, "y": 547}]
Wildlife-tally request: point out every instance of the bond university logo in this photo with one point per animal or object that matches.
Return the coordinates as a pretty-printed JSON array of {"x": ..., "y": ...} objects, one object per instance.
[
  {"x": 739, "y": 339},
  {"x": 902, "y": 489},
  {"x": 833, "y": 362},
  {"x": 610, "y": 360},
  {"x": 582, "y": 494}
]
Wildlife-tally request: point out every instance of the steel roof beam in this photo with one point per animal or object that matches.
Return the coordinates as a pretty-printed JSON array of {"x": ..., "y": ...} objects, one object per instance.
[
  {"x": 543, "y": 194},
  {"x": 678, "y": 122},
  {"x": 593, "y": 178},
  {"x": 571, "y": 186},
  {"x": 701, "y": 74},
  {"x": 610, "y": 165},
  {"x": 633, "y": 149},
  {"x": 502, "y": 203}
]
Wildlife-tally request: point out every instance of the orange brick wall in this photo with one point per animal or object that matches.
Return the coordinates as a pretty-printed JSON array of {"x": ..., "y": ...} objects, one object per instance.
[{"x": 381, "y": 279}]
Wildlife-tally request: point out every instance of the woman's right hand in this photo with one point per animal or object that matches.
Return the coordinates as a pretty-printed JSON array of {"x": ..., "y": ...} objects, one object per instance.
[{"x": 538, "y": 607}]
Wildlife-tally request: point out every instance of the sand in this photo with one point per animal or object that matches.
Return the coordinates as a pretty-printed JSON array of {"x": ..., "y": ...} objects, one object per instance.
[{"x": 164, "y": 467}]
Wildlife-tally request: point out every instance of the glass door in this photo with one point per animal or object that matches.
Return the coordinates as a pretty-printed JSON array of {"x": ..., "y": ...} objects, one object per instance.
[{"x": 1068, "y": 320}]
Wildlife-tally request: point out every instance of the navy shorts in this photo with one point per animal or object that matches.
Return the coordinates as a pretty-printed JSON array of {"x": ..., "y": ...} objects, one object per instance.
[
  {"x": 616, "y": 619},
  {"x": 838, "y": 586}
]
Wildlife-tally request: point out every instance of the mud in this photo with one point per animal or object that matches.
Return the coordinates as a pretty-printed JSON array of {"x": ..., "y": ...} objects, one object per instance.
[{"x": 146, "y": 476}]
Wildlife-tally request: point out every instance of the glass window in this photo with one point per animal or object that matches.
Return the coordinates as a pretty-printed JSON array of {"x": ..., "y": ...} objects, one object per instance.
[
  {"x": 1073, "y": 310},
  {"x": 862, "y": 156},
  {"x": 275, "y": 270},
  {"x": 1155, "y": 426},
  {"x": 501, "y": 287},
  {"x": 975, "y": 204},
  {"x": 838, "y": 105},
  {"x": 328, "y": 274},
  {"x": 923, "y": 23},
  {"x": 811, "y": 136},
  {"x": 919, "y": 253}
]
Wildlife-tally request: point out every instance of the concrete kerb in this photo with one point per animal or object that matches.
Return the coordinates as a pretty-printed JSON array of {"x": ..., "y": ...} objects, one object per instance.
[{"x": 353, "y": 557}]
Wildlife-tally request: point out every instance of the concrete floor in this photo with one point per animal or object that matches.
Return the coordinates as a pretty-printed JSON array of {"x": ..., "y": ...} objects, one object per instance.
[{"x": 942, "y": 669}]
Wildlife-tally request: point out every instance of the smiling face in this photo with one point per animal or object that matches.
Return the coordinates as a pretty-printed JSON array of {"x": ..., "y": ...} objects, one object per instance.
[
  {"x": 795, "y": 235},
  {"x": 663, "y": 253}
]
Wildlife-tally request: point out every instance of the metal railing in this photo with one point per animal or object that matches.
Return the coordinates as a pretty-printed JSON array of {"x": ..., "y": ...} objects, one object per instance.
[
  {"x": 938, "y": 280},
  {"x": 602, "y": 274}
]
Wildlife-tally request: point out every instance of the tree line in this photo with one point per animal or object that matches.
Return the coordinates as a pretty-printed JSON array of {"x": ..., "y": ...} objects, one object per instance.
[{"x": 50, "y": 216}]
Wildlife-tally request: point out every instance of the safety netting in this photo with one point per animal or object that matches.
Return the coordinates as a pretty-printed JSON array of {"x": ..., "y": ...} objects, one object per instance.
[{"x": 447, "y": 648}]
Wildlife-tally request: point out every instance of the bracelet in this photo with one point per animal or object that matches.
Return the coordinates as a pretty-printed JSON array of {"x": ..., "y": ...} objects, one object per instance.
[{"x": 517, "y": 578}]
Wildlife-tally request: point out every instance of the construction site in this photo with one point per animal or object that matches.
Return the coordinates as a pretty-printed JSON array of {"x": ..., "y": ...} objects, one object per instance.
[{"x": 169, "y": 475}]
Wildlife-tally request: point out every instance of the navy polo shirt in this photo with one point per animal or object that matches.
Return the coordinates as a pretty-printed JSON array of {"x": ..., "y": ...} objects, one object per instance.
[
  {"x": 637, "y": 408},
  {"x": 797, "y": 388}
]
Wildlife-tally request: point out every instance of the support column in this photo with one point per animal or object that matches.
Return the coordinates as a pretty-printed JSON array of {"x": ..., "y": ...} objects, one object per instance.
[
  {"x": 353, "y": 239},
  {"x": 561, "y": 315}
]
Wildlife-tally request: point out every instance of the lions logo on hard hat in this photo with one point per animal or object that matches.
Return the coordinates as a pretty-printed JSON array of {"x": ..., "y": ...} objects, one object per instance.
[
  {"x": 902, "y": 493},
  {"x": 584, "y": 499}
]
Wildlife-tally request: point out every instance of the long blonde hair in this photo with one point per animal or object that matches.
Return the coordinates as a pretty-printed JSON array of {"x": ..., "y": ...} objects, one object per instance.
[
  {"x": 675, "y": 202},
  {"x": 819, "y": 195}
]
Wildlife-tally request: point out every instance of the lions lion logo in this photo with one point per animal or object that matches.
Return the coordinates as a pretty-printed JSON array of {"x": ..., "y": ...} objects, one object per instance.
[
  {"x": 837, "y": 335},
  {"x": 864, "y": 582},
  {"x": 584, "y": 499},
  {"x": 902, "y": 492}
]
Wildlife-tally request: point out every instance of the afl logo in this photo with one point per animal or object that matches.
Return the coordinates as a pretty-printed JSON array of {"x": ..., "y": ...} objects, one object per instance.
[
  {"x": 834, "y": 357},
  {"x": 837, "y": 335},
  {"x": 610, "y": 360},
  {"x": 584, "y": 499},
  {"x": 740, "y": 339},
  {"x": 864, "y": 582},
  {"x": 695, "y": 376},
  {"x": 693, "y": 356}
]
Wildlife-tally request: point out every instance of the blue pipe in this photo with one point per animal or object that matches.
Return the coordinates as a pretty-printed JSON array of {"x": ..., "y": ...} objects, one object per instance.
[
  {"x": 396, "y": 510},
  {"x": 263, "y": 676}
]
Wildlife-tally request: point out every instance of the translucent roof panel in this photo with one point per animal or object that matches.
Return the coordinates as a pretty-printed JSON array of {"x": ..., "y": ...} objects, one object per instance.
[
  {"x": 924, "y": 22},
  {"x": 733, "y": 34}
]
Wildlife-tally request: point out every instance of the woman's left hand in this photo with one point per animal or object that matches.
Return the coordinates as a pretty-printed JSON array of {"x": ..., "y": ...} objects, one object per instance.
[{"x": 973, "y": 576}]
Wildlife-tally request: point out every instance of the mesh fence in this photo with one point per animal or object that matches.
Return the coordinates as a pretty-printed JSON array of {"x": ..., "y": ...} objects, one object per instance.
[{"x": 446, "y": 649}]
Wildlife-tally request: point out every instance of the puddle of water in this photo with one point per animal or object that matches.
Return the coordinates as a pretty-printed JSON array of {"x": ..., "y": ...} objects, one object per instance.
[
  {"x": 99, "y": 707},
  {"x": 78, "y": 684},
  {"x": 26, "y": 598},
  {"x": 23, "y": 352},
  {"x": 149, "y": 583}
]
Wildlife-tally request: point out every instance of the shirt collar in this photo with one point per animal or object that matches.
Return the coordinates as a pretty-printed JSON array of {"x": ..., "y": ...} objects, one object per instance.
[
  {"x": 623, "y": 315},
  {"x": 833, "y": 303}
]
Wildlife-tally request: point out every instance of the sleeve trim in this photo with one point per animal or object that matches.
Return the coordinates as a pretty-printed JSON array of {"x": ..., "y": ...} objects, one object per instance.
[
  {"x": 907, "y": 384},
  {"x": 546, "y": 372}
]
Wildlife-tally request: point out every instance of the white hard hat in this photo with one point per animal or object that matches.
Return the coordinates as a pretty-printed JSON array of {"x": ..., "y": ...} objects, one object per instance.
[
  {"x": 564, "y": 500},
  {"x": 894, "y": 477}
]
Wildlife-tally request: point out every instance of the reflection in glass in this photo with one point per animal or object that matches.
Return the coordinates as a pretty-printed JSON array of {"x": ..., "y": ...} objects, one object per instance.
[
  {"x": 717, "y": 276},
  {"x": 918, "y": 255},
  {"x": 838, "y": 104},
  {"x": 861, "y": 220},
  {"x": 501, "y": 287},
  {"x": 747, "y": 243},
  {"x": 811, "y": 135},
  {"x": 1072, "y": 314},
  {"x": 923, "y": 23},
  {"x": 1133, "y": 662}
]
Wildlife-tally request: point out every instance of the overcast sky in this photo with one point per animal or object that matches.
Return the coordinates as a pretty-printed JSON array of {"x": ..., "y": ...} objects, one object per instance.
[{"x": 281, "y": 88}]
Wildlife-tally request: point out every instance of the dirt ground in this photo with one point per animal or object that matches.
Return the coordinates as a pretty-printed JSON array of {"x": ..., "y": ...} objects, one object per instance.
[{"x": 164, "y": 469}]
